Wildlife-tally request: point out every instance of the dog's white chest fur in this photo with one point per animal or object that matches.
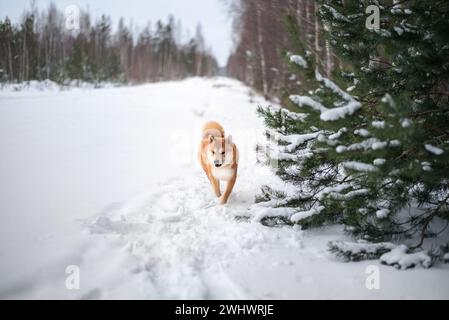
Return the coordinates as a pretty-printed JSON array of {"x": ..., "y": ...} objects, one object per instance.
[{"x": 223, "y": 173}]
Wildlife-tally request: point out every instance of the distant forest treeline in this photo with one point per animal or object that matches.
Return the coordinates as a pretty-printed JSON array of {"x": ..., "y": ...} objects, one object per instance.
[{"x": 41, "y": 47}]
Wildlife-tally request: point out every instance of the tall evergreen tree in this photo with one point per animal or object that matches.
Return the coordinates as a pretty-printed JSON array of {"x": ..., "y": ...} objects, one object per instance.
[
  {"x": 7, "y": 48},
  {"x": 76, "y": 66}
]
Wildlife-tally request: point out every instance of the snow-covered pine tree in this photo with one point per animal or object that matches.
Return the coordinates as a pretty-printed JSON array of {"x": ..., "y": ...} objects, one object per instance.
[
  {"x": 308, "y": 134},
  {"x": 403, "y": 79},
  {"x": 376, "y": 159}
]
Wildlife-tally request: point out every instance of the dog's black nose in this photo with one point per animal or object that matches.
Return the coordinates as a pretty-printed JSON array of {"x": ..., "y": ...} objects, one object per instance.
[{"x": 217, "y": 163}]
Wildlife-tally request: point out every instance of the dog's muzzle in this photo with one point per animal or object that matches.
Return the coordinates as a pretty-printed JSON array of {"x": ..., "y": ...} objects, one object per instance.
[{"x": 217, "y": 163}]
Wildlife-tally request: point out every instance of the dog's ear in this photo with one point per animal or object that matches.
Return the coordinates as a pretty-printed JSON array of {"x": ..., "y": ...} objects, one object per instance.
[
  {"x": 229, "y": 139},
  {"x": 211, "y": 138}
]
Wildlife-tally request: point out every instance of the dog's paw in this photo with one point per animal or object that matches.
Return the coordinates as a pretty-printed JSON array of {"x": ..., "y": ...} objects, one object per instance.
[{"x": 222, "y": 200}]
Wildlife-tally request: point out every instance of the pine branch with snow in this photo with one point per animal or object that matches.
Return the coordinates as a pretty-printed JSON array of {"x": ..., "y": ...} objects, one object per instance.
[{"x": 357, "y": 251}]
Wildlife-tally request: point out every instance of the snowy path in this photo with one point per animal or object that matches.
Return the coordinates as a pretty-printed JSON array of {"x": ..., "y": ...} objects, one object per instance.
[{"x": 108, "y": 180}]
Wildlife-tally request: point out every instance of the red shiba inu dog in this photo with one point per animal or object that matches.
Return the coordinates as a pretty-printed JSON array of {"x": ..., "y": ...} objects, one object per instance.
[{"x": 219, "y": 158}]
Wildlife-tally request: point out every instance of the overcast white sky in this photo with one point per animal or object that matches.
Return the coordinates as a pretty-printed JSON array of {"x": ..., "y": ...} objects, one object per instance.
[{"x": 212, "y": 14}]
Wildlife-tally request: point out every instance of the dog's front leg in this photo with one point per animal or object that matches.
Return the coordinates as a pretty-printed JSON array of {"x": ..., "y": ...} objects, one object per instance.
[
  {"x": 224, "y": 198},
  {"x": 215, "y": 185}
]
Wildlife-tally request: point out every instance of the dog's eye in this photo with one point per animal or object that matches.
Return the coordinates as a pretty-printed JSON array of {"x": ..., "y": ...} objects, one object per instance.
[
  {"x": 223, "y": 153},
  {"x": 213, "y": 152}
]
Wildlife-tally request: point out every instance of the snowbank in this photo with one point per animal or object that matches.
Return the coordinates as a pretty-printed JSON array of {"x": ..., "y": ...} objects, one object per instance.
[
  {"x": 51, "y": 86},
  {"x": 401, "y": 259}
]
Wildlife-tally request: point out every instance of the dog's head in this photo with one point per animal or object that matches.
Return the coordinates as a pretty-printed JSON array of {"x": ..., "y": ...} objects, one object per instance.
[{"x": 219, "y": 151}]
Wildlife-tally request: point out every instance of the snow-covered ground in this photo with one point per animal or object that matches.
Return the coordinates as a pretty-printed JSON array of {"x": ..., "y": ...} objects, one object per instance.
[{"x": 107, "y": 180}]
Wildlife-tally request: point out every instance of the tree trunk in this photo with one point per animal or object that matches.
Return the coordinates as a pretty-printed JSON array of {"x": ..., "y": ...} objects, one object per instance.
[
  {"x": 329, "y": 65},
  {"x": 11, "y": 71},
  {"x": 261, "y": 52},
  {"x": 317, "y": 37}
]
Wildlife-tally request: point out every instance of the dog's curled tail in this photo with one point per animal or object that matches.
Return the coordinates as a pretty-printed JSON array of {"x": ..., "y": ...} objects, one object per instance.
[{"x": 213, "y": 128}]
